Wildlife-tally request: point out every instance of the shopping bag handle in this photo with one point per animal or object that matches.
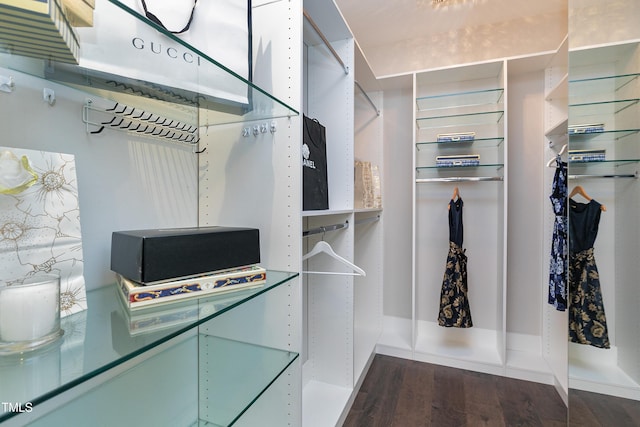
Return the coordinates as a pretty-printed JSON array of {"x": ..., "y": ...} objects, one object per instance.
[{"x": 155, "y": 19}]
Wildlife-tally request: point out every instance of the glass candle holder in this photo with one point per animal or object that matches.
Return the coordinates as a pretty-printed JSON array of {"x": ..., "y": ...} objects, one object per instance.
[{"x": 30, "y": 314}]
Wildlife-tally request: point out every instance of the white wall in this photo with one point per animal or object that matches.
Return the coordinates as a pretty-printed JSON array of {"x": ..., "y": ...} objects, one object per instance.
[
  {"x": 527, "y": 200},
  {"x": 124, "y": 181},
  {"x": 397, "y": 202}
]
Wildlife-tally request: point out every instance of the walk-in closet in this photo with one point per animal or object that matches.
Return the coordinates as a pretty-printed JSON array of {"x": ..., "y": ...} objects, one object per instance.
[{"x": 459, "y": 139}]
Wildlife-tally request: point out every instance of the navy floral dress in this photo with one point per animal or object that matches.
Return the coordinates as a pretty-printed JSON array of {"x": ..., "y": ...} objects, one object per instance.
[
  {"x": 587, "y": 320},
  {"x": 558, "y": 258},
  {"x": 454, "y": 303}
]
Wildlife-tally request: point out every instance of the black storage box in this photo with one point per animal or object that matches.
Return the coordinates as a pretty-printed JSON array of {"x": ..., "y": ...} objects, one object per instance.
[{"x": 153, "y": 255}]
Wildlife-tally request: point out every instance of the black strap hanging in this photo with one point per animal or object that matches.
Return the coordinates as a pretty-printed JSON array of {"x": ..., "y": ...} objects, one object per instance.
[{"x": 155, "y": 19}]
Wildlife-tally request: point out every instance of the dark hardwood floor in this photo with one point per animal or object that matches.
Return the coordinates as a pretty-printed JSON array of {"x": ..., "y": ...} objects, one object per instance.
[
  {"x": 404, "y": 393},
  {"x": 595, "y": 410}
]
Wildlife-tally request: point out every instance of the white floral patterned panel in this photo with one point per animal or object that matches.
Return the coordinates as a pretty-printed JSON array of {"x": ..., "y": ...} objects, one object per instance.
[{"x": 40, "y": 222}]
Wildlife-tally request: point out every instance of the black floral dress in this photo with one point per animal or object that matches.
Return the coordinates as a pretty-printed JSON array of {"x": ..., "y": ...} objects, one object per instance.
[
  {"x": 558, "y": 258},
  {"x": 587, "y": 321},
  {"x": 454, "y": 303}
]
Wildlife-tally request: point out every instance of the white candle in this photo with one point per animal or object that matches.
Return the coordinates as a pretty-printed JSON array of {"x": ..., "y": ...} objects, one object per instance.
[{"x": 30, "y": 311}]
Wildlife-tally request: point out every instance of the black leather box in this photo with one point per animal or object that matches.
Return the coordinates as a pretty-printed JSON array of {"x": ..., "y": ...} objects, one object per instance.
[{"x": 153, "y": 255}]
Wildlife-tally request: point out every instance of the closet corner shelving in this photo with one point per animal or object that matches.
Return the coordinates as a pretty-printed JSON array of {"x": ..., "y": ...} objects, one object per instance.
[
  {"x": 343, "y": 310},
  {"x": 101, "y": 357},
  {"x": 604, "y": 89},
  {"x": 327, "y": 86},
  {"x": 556, "y": 96},
  {"x": 554, "y": 323},
  {"x": 459, "y": 100}
]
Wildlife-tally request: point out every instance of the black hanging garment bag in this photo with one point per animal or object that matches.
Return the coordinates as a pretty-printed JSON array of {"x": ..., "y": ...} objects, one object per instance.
[{"x": 315, "y": 191}]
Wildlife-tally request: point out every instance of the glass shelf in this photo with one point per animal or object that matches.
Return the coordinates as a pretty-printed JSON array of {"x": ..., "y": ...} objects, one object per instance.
[
  {"x": 600, "y": 85},
  {"x": 107, "y": 335},
  {"x": 478, "y": 142},
  {"x": 605, "y": 136},
  {"x": 223, "y": 95},
  {"x": 619, "y": 168},
  {"x": 495, "y": 166},
  {"x": 615, "y": 163},
  {"x": 239, "y": 374},
  {"x": 601, "y": 107},
  {"x": 459, "y": 120},
  {"x": 482, "y": 172},
  {"x": 461, "y": 99}
]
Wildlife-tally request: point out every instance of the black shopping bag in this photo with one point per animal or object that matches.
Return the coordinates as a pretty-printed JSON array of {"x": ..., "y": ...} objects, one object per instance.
[{"x": 315, "y": 191}]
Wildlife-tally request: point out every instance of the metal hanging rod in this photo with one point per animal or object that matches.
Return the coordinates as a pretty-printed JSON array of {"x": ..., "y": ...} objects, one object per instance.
[
  {"x": 460, "y": 179},
  {"x": 325, "y": 228},
  {"x": 326, "y": 42},
  {"x": 367, "y": 97},
  {"x": 367, "y": 220},
  {"x": 626, "y": 175}
]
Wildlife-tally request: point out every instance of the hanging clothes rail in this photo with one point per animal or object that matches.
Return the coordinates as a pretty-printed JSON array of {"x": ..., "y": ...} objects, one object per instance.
[
  {"x": 325, "y": 41},
  {"x": 624, "y": 175},
  {"x": 367, "y": 97},
  {"x": 325, "y": 228},
  {"x": 460, "y": 179},
  {"x": 367, "y": 220}
]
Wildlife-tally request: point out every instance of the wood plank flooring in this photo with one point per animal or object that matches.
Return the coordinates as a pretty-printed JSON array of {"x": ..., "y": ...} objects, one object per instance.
[
  {"x": 403, "y": 393},
  {"x": 595, "y": 410}
]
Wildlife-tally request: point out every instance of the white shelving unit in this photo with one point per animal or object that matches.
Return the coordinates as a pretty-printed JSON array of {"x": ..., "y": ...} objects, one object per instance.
[
  {"x": 554, "y": 322},
  {"x": 604, "y": 86},
  {"x": 343, "y": 311},
  {"x": 464, "y": 99},
  {"x": 513, "y": 333}
]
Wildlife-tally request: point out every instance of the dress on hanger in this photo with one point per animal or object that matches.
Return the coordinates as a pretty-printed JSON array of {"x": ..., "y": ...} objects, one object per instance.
[
  {"x": 454, "y": 303},
  {"x": 587, "y": 321},
  {"x": 558, "y": 258}
]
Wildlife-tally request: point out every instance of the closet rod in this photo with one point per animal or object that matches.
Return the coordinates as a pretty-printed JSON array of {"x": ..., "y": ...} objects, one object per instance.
[
  {"x": 367, "y": 220},
  {"x": 326, "y": 42},
  {"x": 460, "y": 179},
  {"x": 325, "y": 228},
  {"x": 628, "y": 175},
  {"x": 367, "y": 97}
]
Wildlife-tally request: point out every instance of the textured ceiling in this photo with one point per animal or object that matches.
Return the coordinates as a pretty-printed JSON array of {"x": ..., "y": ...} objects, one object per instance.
[{"x": 377, "y": 24}]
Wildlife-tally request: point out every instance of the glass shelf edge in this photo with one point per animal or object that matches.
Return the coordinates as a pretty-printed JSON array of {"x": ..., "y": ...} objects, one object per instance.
[
  {"x": 630, "y": 101},
  {"x": 154, "y": 341},
  {"x": 166, "y": 33},
  {"x": 95, "y": 82},
  {"x": 474, "y": 98},
  {"x": 445, "y": 168},
  {"x": 483, "y": 118},
  {"x": 615, "y": 134},
  {"x": 631, "y": 76},
  {"x": 447, "y": 144},
  {"x": 618, "y": 162},
  {"x": 273, "y": 363}
]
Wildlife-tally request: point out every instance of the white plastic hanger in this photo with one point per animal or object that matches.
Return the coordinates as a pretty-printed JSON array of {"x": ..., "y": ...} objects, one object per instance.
[
  {"x": 553, "y": 159},
  {"x": 324, "y": 247}
]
